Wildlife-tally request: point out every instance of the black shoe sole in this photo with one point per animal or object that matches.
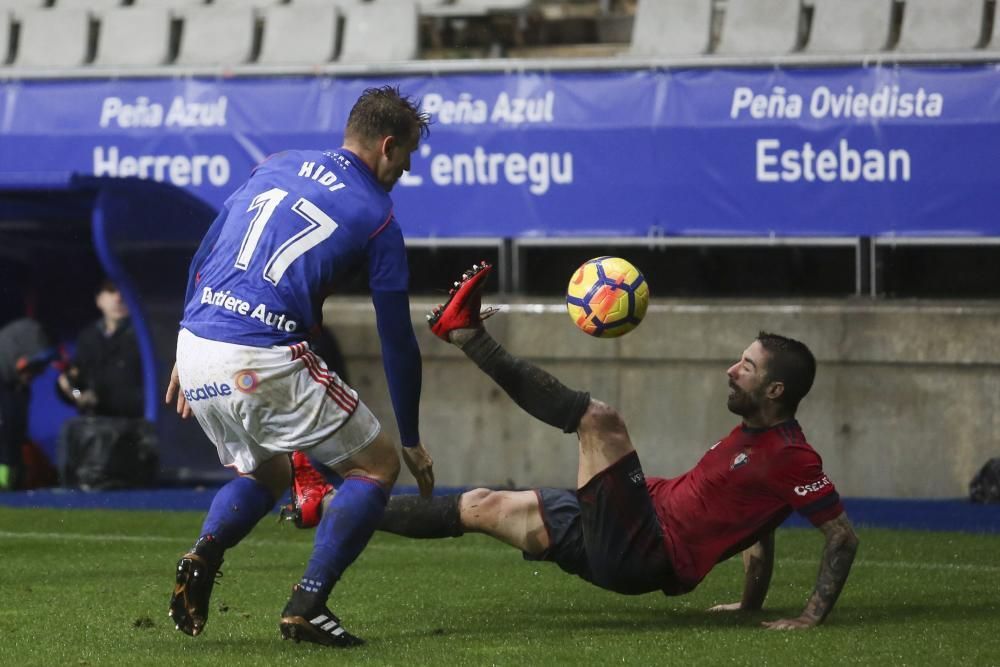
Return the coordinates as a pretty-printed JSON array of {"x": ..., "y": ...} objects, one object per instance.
[{"x": 186, "y": 616}]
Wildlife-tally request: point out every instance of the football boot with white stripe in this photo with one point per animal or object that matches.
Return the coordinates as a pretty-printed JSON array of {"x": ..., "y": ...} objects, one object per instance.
[
  {"x": 197, "y": 571},
  {"x": 305, "y": 619},
  {"x": 463, "y": 309}
]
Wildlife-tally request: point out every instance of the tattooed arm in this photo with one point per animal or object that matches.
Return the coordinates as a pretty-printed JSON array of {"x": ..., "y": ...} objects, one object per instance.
[
  {"x": 838, "y": 555},
  {"x": 758, "y": 564}
]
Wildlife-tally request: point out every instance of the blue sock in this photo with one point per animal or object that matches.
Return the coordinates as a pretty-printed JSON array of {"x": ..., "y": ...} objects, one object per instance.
[
  {"x": 235, "y": 510},
  {"x": 347, "y": 525}
]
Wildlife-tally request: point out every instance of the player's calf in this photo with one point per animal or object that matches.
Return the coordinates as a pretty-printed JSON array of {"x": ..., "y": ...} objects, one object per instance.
[
  {"x": 423, "y": 518},
  {"x": 536, "y": 391},
  {"x": 459, "y": 321}
]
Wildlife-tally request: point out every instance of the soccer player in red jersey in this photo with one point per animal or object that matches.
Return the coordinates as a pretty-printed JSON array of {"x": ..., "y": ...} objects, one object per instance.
[{"x": 633, "y": 534}]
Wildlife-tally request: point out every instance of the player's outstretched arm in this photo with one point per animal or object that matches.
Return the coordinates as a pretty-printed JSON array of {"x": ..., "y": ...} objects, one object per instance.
[
  {"x": 421, "y": 466},
  {"x": 838, "y": 556},
  {"x": 758, "y": 565}
]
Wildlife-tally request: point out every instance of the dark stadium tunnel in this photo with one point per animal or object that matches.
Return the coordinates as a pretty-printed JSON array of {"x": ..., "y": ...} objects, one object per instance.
[{"x": 60, "y": 236}]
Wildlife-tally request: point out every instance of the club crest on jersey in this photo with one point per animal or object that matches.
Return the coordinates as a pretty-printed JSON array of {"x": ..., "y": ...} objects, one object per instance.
[
  {"x": 246, "y": 381},
  {"x": 739, "y": 461}
]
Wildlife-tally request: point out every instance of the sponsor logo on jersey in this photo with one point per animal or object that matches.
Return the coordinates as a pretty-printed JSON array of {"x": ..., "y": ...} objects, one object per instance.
[
  {"x": 246, "y": 381},
  {"x": 226, "y": 300},
  {"x": 739, "y": 461},
  {"x": 806, "y": 489},
  {"x": 207, "y": 392},
  {"x": 637, "y": 477}
]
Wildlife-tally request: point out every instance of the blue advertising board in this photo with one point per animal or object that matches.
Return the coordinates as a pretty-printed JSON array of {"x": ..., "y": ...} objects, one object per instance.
[{"x": 860, "y": 151}]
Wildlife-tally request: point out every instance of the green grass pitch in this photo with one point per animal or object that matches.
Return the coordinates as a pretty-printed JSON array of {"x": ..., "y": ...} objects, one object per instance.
[{"x": 90, "y": 588}]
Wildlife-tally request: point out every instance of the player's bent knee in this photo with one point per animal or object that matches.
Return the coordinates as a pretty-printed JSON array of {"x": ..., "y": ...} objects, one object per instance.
[
  {"x": 387, "y": 473},
  {"x": 476, "y": 495},
  {"x": 480, "y": 509},
  {"x": 488, "y": 509},
  {"x": 386, "y": 470},
  {"x": 603, "y": 419}
]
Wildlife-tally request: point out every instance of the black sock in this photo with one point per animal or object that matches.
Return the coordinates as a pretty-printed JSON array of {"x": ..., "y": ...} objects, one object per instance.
[
  {"x": 304, "y": 602},
  {"x": 413, "y": 516},
  {"x": 538, "y": 393},
  {"x": 208, "y": 547}
]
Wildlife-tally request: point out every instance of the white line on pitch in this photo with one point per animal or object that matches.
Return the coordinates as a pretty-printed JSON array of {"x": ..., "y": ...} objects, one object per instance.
[{"x": 90, "y": 537}]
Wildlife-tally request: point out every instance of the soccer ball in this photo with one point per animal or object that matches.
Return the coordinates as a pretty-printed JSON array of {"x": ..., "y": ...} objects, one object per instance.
[{"x": 607, "y": 297}]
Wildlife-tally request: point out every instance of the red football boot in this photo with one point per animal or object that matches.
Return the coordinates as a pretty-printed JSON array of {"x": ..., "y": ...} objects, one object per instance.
[
  {"x": 309, "y": 488},
  {"x": 462, "y": 309}
]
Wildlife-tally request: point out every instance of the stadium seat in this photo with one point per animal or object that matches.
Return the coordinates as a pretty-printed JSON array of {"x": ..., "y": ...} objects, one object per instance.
[
  {"x": 53, "y": 38},
  {"x": 380, "y": 32},
  {"x": 170, "y": 4},
  {"x": 678, "y": 28},
  {"x": 994, "y": 43},
  {"x": 17, "y": 6},
  {"x": 93, "y": 6},
  {"x": 941, "y": 25},
  {"x": 299, "y": 35},
  {"x": 200, "y": 42},
  {"x": 134, "y": 37},
  {"x": 850, "y": 26},
  {"x": 342, "y": 5},
  {"x": 5, "y": 28},
  {"x": 759, "y": 27},
  {"x": 259, "y": 5}
]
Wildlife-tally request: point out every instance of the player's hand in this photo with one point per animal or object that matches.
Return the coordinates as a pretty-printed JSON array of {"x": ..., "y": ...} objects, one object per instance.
[
  {"x": 800, "y": 623},
  {"x": 732, "y": 606},
  {"x": 174, "y": 388},
  {"x": 421, "y": 466},
  {"x": 86, "y": 399}
]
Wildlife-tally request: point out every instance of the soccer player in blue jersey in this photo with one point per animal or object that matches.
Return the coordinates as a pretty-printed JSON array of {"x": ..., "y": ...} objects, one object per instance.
[{"x": 245, "y": 370}]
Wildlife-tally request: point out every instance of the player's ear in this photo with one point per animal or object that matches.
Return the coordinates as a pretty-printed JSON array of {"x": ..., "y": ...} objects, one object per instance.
[
  {"x": 775, "y": 390},
  {"x": 387, "y": 145}
]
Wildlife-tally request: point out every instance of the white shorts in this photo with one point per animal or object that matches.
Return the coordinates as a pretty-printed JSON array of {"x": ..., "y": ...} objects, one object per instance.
[{"x": 255, "y": 402}]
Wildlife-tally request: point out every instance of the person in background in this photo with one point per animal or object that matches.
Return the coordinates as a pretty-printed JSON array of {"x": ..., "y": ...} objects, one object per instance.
[
  {"x": 105, "y": 377},
  {"x": 24, "y": 353}
]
